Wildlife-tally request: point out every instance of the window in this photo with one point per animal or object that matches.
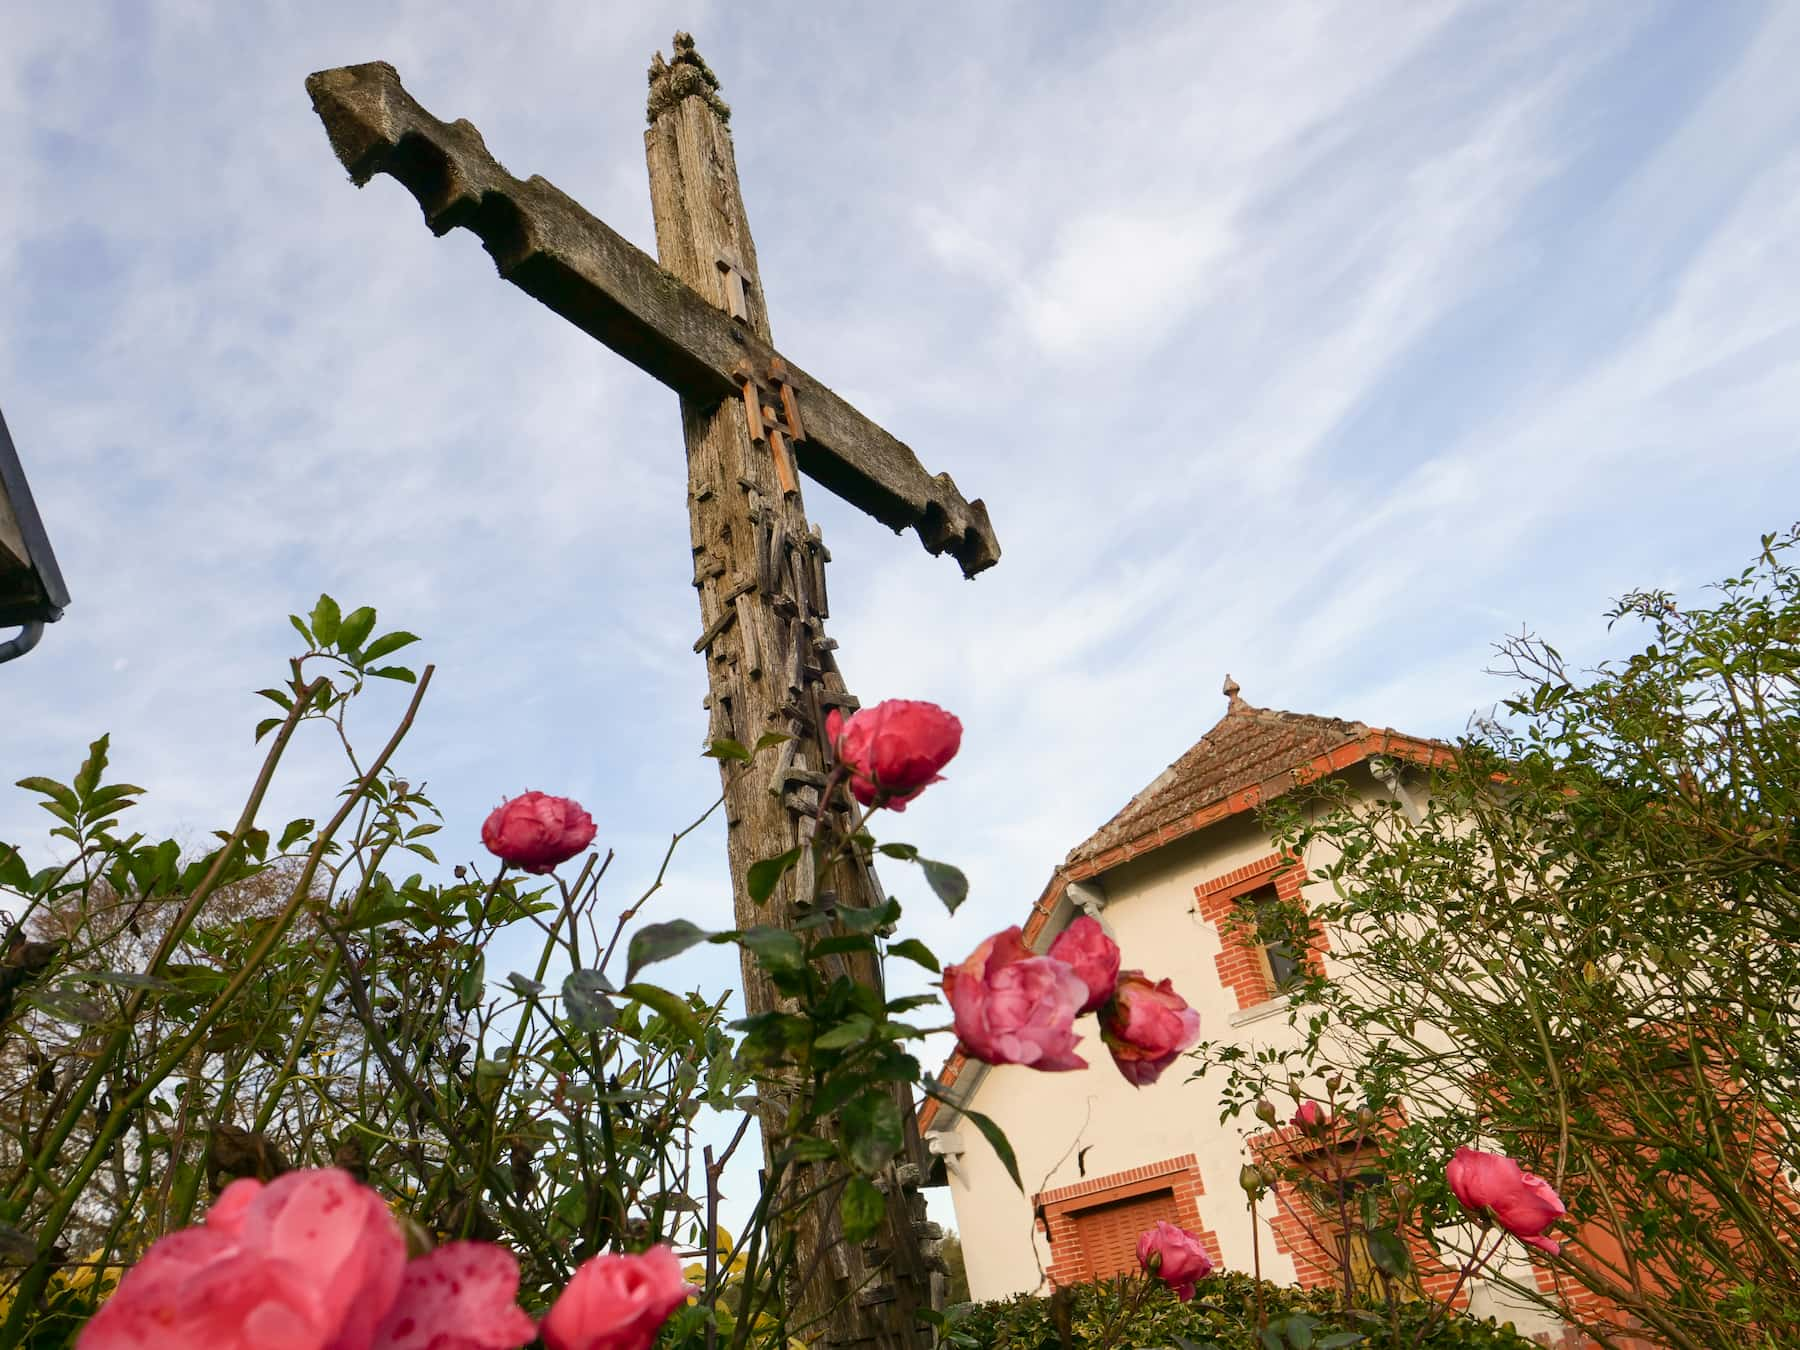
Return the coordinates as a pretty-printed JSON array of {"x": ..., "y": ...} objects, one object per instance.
[{"x": 1284, "y": 961}]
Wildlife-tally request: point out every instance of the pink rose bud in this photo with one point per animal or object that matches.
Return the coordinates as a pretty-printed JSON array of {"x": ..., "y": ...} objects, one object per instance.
[
  {"x": 1086, "y": 950},
  {"x": 1522, "y": 1203},
  {"x": 616, "y": 1302},
  {"x": 1015, "y": 1008},
  {"x": 1146, "y": 1026},
  {"x": 1174, "y": 1256},
  {"x": 1310, "y": 1118},
  {"x": 894, "y": 750},
  {"x": 536, "y": 832}
]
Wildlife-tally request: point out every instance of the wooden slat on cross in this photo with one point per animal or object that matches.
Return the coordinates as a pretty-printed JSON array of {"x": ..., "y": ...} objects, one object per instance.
[{"x": 699, "y": 323}]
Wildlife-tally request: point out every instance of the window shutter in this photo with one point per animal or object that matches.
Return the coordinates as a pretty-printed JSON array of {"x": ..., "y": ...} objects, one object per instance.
[{"x": 1108, "y": 1234}]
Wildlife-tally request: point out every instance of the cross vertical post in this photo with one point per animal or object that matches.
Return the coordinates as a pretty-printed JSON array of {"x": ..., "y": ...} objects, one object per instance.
[
  {"x": 752, "y": 421},
  {"x": 759, "y": 570}
]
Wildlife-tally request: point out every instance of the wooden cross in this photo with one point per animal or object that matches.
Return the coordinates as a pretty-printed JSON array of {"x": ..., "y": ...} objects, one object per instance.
[{"x": 699, "y": 323}]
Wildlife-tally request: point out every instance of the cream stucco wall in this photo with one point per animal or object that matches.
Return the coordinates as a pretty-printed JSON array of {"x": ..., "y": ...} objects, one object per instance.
[{"x": 1151, "y": 913}]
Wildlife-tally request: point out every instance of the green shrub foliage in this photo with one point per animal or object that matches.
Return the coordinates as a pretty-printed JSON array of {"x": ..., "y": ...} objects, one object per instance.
[{"x": 1132, "y": 1314}]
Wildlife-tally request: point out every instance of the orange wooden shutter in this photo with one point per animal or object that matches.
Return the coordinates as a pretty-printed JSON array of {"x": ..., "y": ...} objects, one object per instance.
[{"x": 1109, "y": 1233}]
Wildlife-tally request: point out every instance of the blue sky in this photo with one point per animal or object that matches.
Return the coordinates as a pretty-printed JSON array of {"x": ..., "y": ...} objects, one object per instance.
[{"x": 1323, "y": 344}]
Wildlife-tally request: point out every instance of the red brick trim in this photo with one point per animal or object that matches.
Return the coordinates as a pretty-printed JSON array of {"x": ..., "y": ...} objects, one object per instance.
[
  {"x": 1298, "y": 1227},
  {"x": 1243, "y": 968},
  {"x": 1056, "y": 1210}
]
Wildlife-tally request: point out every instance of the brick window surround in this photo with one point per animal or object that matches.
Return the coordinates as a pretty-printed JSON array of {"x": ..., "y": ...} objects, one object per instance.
[
  {"x": 1309, "y": 1236},
  {"x": 1243, "y": 966},
  {"x": 1093, "y": 1225}
]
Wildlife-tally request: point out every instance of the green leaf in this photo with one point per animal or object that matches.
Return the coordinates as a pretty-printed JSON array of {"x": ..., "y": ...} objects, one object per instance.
[
  {"x": 1337, "y": 1340},
  {"x": 950, "y": 885},
  {"x": 301, "y": 628},
  {"x": 861, "y": 1209},
  {"x": 1270, "y": 1339},
  {"x": 904, "y": 852},
  {"x": 325, "y": 620},
  {"x": 991, "y": 1132},
  {"x": 915, "y": 951},
  {"x": 470, "y": 987},
  {"x": 279, "y": 697},
  {"x": 400, "y": 673},
  {"x": 872, "y": 1130},
  {"x": 724, "y": 748},
  {"x": 530, "y": 988},
  {"x": 852, "y": 1031},
  {"x": 671, "y": 1006},
  {"x": 763, "y": 877},
  {"x": 386, "y": 645},
  {"x": 776, "y": 948},
  {"x": 868, "y": 918},
  {"x": 584, "y": 1000},
  {"x": 658, "y": 942},
  {"x": 54, "y": 790},
  {"x": 87, "y": 778},
  {"x": 771, "y": 738},
  {"x": 268, "y": 724},
  {"x": 1388, "y": 1252},
  {"x": 296, "y": 829},
  {"x": 356, "y": 626},
  {"x": 123, "y": 979}
]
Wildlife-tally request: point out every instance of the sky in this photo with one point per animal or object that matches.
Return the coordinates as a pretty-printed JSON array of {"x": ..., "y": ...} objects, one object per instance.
[{"x": 1323, "y": 345}]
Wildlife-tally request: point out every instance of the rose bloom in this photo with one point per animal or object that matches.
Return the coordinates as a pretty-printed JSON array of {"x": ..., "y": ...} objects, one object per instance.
[
  {"x": 616, "y": 1302},
  {"x": 1310, "y": 1118},
  {"x": 893, "y": 751},
  {"x": 536, "y": 832},
  {"x": 1523, "y": 1203},
  {"x": 1174, "y": 1256},
  {"x": 1092, "y": 955},
  {"x": 1146, "y": 1026},
  {"x": 311, "y": 1261},
  {"x": 1016, "y": 1008}
]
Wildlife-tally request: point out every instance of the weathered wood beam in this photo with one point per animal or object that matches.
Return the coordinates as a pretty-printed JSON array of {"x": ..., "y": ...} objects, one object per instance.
[{"x": 546, "y": 244}]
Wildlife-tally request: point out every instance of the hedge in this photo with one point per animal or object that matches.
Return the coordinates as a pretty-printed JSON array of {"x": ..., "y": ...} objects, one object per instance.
[{"x": 1222, "y": 1315}]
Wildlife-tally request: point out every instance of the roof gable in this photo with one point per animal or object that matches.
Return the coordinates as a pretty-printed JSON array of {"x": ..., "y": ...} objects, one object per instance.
[{"x": 1250, "y": 756}]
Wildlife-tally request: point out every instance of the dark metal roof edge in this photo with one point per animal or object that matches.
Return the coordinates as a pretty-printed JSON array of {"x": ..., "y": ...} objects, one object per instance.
[{"x": 31, "y": 525}]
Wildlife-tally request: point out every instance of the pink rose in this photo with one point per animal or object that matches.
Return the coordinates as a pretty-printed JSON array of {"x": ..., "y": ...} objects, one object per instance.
[
  {"x": 1174, "y": 1256},
  {"x": 894, "y": 750},
  {"x": 1310, "y": 1118},
  {"x": 536, "y": 832},
  {"x": 461, "y": 1296},
  {"x": 311, "y": 1261},
  {"x": 1086, "y": 950},
  {"x": 1146, "y": 1026},
  {"x": 616, "y": 1302},
  {"x": 1015, "y": 1008},
  {"x": 1524, "y": 1204}
]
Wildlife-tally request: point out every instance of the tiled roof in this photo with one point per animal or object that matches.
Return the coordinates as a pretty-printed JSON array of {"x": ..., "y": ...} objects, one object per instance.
[{"x": 1248, "y": 746}]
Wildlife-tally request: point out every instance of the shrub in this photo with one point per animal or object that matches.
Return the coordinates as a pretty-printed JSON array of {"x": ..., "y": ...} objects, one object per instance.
[{"x": 1130, "y": 1314}]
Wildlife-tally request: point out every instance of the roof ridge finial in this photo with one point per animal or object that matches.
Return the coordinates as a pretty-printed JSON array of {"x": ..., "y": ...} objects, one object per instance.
[
  {"x": 683, "y": 75},
  {"x": 1231, "y": 692}
]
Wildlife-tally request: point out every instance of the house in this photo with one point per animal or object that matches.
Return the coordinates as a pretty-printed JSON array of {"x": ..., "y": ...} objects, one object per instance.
[{"x": 1101, "y": 1159}]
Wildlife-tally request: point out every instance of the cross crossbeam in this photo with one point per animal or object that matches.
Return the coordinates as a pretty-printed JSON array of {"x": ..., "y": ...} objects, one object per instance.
[{"x": 546, "y": 244}]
